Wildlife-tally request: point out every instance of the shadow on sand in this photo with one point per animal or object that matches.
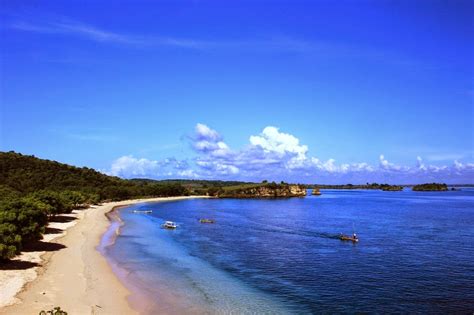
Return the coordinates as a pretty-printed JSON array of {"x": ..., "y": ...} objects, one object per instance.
[
  {"x": 40, "y": 246},
  {"x": 62, "y": 218},
  {"x": 50, "y": 230},
  {"x": 17, "y": 265}
]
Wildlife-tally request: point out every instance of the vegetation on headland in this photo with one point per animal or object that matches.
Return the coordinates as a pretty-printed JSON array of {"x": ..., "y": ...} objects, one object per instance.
[
  {"x": 430, "y": 187},
  {"x": 235, "y": 189},
  {"x": 261, "y": 190},
  {"x": 197, "y": 186}
]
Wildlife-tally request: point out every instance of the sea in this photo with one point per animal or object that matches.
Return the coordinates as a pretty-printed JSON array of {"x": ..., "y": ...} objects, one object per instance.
[{"x": 283, "y": 256}]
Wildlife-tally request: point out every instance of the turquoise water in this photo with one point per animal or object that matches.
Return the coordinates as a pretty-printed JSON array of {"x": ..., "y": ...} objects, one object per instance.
[{"x": 416, "y": 254}]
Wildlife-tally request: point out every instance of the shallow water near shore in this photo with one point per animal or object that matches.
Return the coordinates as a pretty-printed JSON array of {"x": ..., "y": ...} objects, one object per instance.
[{"x": 283, "y": 255}]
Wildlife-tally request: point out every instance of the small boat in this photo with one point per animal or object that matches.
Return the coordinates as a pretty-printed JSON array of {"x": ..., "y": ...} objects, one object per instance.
[
  {"x": 169, "y": 225},
  {"x": 352, "y": 238},
  {"x": 207, "y": 221},
  {"x": 142, "y": 211}
]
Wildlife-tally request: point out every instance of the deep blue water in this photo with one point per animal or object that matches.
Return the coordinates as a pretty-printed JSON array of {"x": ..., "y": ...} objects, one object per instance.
[{"x": 416, "y": 253}]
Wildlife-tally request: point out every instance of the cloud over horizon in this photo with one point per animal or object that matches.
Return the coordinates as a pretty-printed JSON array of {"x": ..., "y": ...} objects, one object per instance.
[{"x": 276, "y": 155}]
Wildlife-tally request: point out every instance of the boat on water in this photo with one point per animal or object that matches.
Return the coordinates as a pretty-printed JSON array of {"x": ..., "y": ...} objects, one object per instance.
[
  {"x": 142, "y": 211},
  {"x": 169, "y": 225},
  {"x": 352, "y": 238},
  {"x": 207, "y": 221}
]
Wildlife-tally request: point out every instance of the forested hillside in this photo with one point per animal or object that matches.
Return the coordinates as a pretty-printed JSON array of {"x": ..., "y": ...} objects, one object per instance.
[
  {"x": 34, "y": 190},
  {"x": 25, "y": 174}
]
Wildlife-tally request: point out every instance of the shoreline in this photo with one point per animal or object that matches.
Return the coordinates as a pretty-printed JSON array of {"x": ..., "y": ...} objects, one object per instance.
[
  {"x": 76, "y": 275},
  {"x": 140, "y": 300},
  {"x": 165, "y": 278}
]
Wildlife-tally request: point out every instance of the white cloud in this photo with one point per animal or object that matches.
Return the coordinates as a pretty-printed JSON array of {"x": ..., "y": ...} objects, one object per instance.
[
  {"x": 458, "y": 166},
  {"x": 272, "y": 140},
  {"x": 204, "y": 132},
  {"x": 128, "y": 166},
  {"x": 66, "y": 26},
  {"x": 189, "y": 173},
  {"x": 329, "y": 166},
  {"x": 420, "y": 164},
  {"x": 387, "y": 166},
  {"x": 208, "y": 141},
  {"x": 276, "y": 155}
]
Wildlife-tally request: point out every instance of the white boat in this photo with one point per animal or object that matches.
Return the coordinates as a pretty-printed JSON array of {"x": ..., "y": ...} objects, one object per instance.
[
  {"x": 142, "y": 211},
  {"x": 169, "y": 225}
]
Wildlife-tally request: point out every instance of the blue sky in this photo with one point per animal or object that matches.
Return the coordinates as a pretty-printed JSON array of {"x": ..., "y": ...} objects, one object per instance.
[{"x": 309, "y": 91}]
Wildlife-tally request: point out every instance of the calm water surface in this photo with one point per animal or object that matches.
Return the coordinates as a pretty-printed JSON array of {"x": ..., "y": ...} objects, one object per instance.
[{"x": 416, "y": 253}]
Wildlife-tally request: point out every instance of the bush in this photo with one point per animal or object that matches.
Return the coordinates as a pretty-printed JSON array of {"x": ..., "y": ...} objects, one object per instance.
[
  {"x": 10, "y": 241},
  {"x": 8, "y": 193},
  {"x": 74, "y": 199},
  {"x": 57, "y": 202},
  {"x": 21, "y": 221}
]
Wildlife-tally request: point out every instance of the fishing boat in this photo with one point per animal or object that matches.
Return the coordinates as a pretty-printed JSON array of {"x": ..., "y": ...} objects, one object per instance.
[
  {"x": 169, "y": 225},
  {"x": 207, "y": 221},
  {"x": 352, "y": 238},
  {"x": 142, "y": 211}
]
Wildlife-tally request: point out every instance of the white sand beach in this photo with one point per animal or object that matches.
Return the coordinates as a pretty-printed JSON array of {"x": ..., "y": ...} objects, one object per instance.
[{"x": 67, "y": 270}]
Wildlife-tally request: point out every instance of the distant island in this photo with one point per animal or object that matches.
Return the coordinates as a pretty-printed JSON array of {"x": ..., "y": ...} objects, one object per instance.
[{"x": 430, "y": 187}]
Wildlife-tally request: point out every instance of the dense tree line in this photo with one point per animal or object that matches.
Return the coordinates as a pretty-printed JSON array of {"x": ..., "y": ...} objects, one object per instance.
[
  {"x": 430, "y": 187},
  {"x": 33, "y": 190}
]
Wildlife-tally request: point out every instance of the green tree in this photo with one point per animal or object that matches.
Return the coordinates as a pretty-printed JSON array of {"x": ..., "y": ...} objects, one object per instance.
[
  {"x": 21, "y": 221},
  {"x": 56, "y": 201},
  {"x": 73, "y": 198},
  {"x": 10, "y": 240},
  {"x": 8, "y": 193}
]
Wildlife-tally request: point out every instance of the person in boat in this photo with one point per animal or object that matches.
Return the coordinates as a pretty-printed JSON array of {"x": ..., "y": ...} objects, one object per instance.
[{"x": 354, "y": 236}]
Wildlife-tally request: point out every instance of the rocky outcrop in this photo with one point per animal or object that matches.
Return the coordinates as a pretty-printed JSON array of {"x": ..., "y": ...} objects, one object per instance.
[{"x": 265, "y": 191}]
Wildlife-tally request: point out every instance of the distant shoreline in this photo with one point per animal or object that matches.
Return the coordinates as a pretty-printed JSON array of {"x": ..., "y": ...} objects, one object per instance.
[{"x": 77, "y": 277}]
